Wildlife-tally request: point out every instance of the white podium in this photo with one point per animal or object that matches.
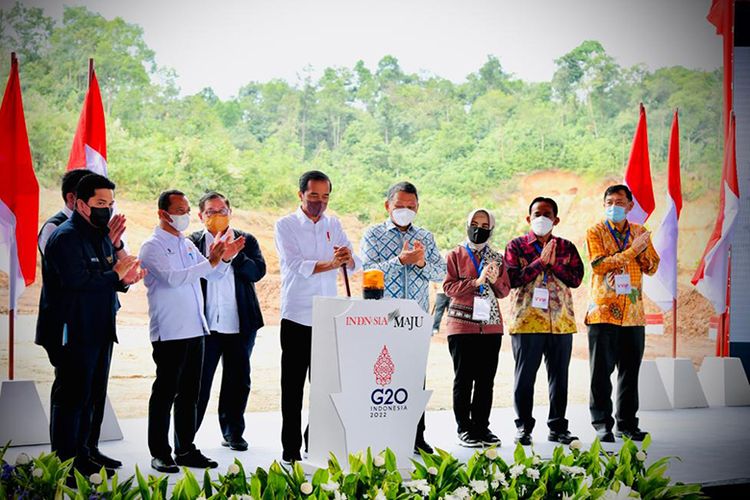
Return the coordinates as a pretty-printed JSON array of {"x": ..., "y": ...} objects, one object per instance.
[{"x": 367, "y": 375}]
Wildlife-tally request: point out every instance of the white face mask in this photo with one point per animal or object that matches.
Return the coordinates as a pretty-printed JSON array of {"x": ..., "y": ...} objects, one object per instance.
[
  {"x": 403, "y": 216},
  {"x": 180, "y": 222},
  {"x": 541, "y": 226}
]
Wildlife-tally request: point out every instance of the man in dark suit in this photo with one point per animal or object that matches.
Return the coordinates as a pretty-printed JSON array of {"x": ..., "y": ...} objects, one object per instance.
[
  {"x": 81, "y": 275},
  {"x": 233, "y": 315}
]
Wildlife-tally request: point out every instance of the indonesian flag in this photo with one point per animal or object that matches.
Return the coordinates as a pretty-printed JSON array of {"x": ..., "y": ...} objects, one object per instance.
[
  {"x": 638, "y": 174},
  {"x": 19, "y": 192},
  {"x": 89, "y": 148},
  {"x": 711, "y": 277},
  {"x": 662, "y": 286}
]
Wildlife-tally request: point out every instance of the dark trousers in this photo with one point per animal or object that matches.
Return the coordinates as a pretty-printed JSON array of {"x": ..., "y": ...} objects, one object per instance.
[
  {"x": 528, "y": 350},
  {"x": 441, "y": 303},
  {"x": 613, "y": 346},
  {"x": 78, "y": 396},
  {"x": 177, "y": 383},
  {"x": 296, "y": 344},
  {"x": 475, "y": 358},
  {"x": 234, "y": 352}
]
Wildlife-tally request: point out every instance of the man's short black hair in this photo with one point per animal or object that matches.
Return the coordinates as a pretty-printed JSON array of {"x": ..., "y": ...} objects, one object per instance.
[
  {"x": 544, "y": 199},
  {"x": 165, "y": 198},
  {"x": 403, "y": 187},
  {"x": 88, "y": 185},
  {"x": 616, "y": 189},
  {"x": 71, "y": 179},
  {"x": 313, "y": 175},
  {"x": 212, "y": 195}
]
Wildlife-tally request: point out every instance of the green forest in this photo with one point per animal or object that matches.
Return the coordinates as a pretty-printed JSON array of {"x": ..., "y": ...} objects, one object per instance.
[{"x": 463, "y": 144}]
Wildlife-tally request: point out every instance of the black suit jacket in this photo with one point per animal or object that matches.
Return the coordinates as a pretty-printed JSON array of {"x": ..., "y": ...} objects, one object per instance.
[
  {"x": 249, "y": 266},
  {"x": 79, "y": 287}
]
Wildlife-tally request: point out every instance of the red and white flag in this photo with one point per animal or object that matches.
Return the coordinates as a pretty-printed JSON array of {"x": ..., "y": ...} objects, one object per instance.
[
  {"x": 19, "y": 192},
  {"x": 711, "y": 277},
  {"x": 89, "y": 148},
  {"x": 638, "y": 174},
  {"x": 662, "y": 286}
]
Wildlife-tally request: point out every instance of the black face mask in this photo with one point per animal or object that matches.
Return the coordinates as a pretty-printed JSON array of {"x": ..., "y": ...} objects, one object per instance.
[
  {"x": 478, "y": 234},
  {"x": 100, "y": 216}
]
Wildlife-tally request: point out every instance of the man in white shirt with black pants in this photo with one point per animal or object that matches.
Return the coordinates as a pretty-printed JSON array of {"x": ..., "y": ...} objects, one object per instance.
[
  {"x": 312, "y": 249},
  {"x": 178, "y": 325}
]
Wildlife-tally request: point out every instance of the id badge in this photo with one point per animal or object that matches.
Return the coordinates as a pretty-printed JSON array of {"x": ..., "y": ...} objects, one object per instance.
[
  {"x": 541, "y": 298},
  {"x": 622, "y": 284},
  {"x": 481, "y": 309}
]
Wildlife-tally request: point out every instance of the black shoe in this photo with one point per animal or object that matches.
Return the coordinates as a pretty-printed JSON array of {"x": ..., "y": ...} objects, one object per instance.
[
  {"x": 87, "y": 467},
  {"x": 632, "y": 434},
  {"x": 164, "y": 464},
  {"x": 100, "y": 458},
  {"x": 489, "y": 439},
  {"x": 195, "y": 459},
  {"x": 564, "y": 437},
  {"x": 238, "y": 444},
  {"x": 290, "y": 458},
  {"x": 422, "y": 445},
  {"x": 523, "y": 437},
  {"x": 606, "y": 437},
  {"x": 467, "y": 440}
]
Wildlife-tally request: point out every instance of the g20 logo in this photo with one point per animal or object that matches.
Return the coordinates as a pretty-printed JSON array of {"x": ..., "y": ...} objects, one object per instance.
[{"x": 389, "y": 396}]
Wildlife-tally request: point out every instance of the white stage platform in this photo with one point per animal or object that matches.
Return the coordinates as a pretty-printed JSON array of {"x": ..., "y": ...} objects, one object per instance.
[{"x": 713, "y": 443}]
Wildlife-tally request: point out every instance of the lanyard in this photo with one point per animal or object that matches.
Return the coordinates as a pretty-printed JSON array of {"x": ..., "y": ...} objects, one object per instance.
[
  {"x": 477, "y": 265},
  {"x": 538, "y": 248},
  {"x": 622, "y": 245}
]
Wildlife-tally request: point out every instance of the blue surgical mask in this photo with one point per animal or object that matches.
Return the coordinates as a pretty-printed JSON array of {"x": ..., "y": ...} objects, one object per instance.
[{"x": 615, "y": 213}]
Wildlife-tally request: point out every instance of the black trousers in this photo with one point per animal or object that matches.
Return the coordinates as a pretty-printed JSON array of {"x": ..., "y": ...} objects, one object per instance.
[
  {"x": 613, "y": 346},
  {"x": 296, "y": 344},
  {"x": 178, "y": 381},
  {"x": 528, "y": 350},
  {"x": 475, "y": 358},
  {"x": 78, "y": 396},
  {"x": 441, "y": 303},
  {"x": 234, "y": 352}
]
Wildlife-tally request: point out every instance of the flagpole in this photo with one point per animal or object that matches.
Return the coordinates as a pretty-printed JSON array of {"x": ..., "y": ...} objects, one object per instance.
[
  {"x": 674, "y": 327},
  {"x": 11, "y": 287},
  {"x": 91, "y": 69}
]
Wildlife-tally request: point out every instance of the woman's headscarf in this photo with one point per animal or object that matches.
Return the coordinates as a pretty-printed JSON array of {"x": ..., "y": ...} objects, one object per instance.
[{"x": 479, "y": 246}]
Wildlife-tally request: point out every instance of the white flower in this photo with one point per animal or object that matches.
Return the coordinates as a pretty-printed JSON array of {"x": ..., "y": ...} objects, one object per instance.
[
  {"x": 491, "y": 453},
  {"x": 495, "y": 483},
  {"x": 246, "y": 497},
  {"x": 499, "y": 476},
  {"x": 433, "y": 471},
  {"x": 22, "y": 459},
  {"x": 622, "y": 493},
  {"x": 378, "y": 461},
  {"x": 306, "y": 488},
  {"x": 95, "y": 478},
  {"x": 588, "y": 481},
  {"x": 516, "y": 470},
  {"x": 522, "y": 490},
  {"x": 460, "y": 493},
  {"x": 380, "y": 495},
  {"x": 536, "y": 460},
  {"x": 233, "y": 469},
  {"x": 337, "y": 495},
  {"x": 532, "y": 473},
  {"x": 38, "y": 472},
  {"x": 419, "y": 485},
  {"x": 573, "y": 470},
  {"x": 478, "y": 486},
  {"x": 641, "y": 456},
  {"x": 330, "y": 486},
  {"x": 575, "y": 444}
]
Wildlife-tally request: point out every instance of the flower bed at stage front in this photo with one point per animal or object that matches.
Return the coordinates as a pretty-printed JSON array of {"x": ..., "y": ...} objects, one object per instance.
[{"x": 575, "y": 473}]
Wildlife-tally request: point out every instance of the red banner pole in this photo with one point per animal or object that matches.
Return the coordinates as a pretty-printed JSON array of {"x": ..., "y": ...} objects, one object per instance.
[
  {"x": 11, "y": 341},
  {"x": 674, "y": 327}
]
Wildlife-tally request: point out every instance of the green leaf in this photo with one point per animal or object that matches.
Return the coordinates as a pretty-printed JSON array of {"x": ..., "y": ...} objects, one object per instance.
[
  {"x": 207, "y": 489},
  {"x": 519, "y": 455}
]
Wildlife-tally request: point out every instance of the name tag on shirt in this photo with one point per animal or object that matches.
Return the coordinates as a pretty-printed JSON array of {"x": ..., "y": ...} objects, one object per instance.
[
  {"x": 540, "y": 300},
  {"x": 481, "y": 310},
  {"x": 622, "y": 284}
]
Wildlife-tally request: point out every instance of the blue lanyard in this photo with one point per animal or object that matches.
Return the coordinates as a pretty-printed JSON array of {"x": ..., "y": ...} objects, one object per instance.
[
  {"x": 622, "y": 245},
  {"x": 477, "y": 265},
  {"x": 538, "y": 248}
]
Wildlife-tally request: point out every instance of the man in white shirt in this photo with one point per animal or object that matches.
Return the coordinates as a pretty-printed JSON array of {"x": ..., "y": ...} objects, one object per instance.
[
  {"x": 178, "y": 325},
  {"x": 312, "y": 249}
]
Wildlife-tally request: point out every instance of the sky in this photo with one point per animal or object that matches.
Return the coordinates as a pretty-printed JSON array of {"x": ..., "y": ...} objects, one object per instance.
[{"x": 225, "y": 44}]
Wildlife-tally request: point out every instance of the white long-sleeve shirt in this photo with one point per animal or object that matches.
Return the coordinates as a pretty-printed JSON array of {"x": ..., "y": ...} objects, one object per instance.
[
  {"x": 222, "y": 314},
  {"x": 301, "y": 243},
  {"x": 175, "y": 301},
  {"x": 48, "y": 228}
]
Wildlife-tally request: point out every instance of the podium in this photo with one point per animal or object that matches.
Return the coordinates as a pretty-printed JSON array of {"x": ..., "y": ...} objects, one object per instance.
[{"x": 367, "y": 374}]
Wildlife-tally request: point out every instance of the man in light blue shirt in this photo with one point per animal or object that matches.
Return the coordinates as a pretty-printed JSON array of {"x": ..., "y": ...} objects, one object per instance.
[
  {"x": 178, "y": 325},
  {"x": 407, "y": 255}
]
